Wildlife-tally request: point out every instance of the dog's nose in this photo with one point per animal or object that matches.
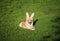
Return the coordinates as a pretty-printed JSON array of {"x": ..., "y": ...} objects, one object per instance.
[{"x": 30, "y": 22}]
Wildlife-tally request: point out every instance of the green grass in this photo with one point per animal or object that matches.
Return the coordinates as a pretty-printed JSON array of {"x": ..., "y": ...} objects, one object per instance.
[{"x": 12, "y": 12}]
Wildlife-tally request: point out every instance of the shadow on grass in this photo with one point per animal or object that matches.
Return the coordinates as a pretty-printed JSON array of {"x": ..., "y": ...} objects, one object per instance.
[
  {"x": 34, "y": 22},
  {"x": 46, "y": 38},
  {"x": 57, "y": 28}
]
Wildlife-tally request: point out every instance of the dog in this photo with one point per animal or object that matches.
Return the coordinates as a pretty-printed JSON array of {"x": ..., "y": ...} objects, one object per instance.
[{"x": 28, "y": 23}]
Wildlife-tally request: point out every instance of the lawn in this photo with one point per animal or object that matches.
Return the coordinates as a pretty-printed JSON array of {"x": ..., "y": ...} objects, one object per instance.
[{"x": 47, "y": 14}]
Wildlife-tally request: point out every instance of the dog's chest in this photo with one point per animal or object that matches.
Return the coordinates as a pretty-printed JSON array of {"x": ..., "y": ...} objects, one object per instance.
[{"x": 29, "y": 25}]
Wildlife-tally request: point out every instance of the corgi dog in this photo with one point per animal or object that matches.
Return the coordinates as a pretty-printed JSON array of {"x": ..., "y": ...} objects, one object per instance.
[{"x": 28, "y": 23}]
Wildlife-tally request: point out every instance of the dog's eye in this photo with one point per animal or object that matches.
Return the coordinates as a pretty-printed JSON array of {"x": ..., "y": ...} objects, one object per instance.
[{"x": 29, "y": 20}]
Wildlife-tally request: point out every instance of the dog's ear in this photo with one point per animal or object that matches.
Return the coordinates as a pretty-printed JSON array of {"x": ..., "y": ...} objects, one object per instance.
[
  {"x": 32, "y": 15},
  {"x": 27, "y": 15}
]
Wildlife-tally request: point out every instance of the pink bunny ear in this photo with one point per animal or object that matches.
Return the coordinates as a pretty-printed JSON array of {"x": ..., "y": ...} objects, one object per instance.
[{"x": 32, "y": 15}]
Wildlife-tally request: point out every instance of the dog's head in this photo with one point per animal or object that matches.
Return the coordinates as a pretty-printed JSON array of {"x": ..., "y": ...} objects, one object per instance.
[{"x": 29, "y": 19}]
